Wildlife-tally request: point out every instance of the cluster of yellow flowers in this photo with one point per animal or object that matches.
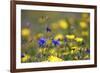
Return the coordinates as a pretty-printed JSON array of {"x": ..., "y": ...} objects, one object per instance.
[
  {"x": 54, "y": 59},
  {"x": 61, "y": 24}
]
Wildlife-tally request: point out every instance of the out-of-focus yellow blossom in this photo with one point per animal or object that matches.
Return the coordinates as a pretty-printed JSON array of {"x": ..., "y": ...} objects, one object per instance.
[
  {"x": 49, "y": 42},
  {"x": 52, "y": 51},
  {"x": 85, "y": 33},
  {"x": 37, "y": 36},
  {"x": 54, "y": 59},
  {"x": 25, "y": 32},
  {"x": 63, "y": 24},
  {"x": 83, "y": 24},
  {"x": 71, "y": 37},
  {"x": 25, "y": 58},
  {"x": 40, "y": 50},
  {"x": 75, "y": 48},
  {"x": 79, "y": 39},
  {"x": 72, "y": 52},
  {"x": 59, "y": 36}
]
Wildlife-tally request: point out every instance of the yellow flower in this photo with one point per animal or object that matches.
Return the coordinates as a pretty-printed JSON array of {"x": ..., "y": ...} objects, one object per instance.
[
  {"x": 40, "y": 50},
  {"x": 85, "y": 33},
  {"x": 75, "y": 48},
  {"x": 24, "y": 59},
  {"x": 54, "y": 59},
  {"x": 49, "y": 42},
  {"x": 71, "y": 37},
  {"x": 59, "y": 36},
  {"x": 52, "y": 51},
  {"x": 72, "y": 51},
  {"x": 83, "y": 24},
  {"x": 63, "y": 24},
  {"x": 78, "y": 39},
  {"x": 25, "y": 32},
  {"x": 37, "y": 36}
]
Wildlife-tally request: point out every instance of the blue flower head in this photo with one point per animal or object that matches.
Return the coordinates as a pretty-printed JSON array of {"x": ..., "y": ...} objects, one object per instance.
[
  {"x": 55, "y": 42},
  {"x": 41, "y": 42}
]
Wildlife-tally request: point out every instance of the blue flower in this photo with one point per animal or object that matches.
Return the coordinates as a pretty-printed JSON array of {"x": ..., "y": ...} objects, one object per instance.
[
  {"x": 48, "y": 29},
  {"x": 42, "y": 42},
  {"x": 55, "y": 42}
]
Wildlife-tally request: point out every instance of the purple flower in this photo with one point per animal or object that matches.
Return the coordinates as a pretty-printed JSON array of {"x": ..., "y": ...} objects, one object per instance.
[
  {"x": 22, "y": 55},
  {"x": 55, "y": 42},
  {"x": 48, "y": 29},
  {"x": 87, "y": 51},
  {"x": 41, "y": 42},
  {"x": 65, "y": 39}
]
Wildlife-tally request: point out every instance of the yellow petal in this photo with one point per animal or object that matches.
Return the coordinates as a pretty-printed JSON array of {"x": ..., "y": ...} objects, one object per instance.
[
  {"x": 59, "y": 36},
  {"x": 54, "y": 59},
  {"x": 83, "y": 24},
  {"x": 70, "y": 36},
  {"x": 63, "y": 24},
  {"x": 79, "y": 39}
]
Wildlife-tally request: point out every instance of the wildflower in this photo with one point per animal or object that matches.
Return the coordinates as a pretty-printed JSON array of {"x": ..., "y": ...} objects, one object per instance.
[
  {"x": 22, "y": 55},
  {"x": 59, "y": 36},
  {"x": 74, "y": 49},
  {"x": 55, "y": 42},
  {"x": 42, "y": 42},
  {"x": 65, "y": 39},
  {"x": 79, "y": 39},
  {"x": 83, "y": 24},
  {"x": 52, "y": 51},
  {"x": 37, "y": 36},
  {"x": 25, "y": 32},
  {"x": 25, "y": 58},
  {"x": 40, "y": 50},
  {"x": 70, "y": 37},
  {"x": 54, "y": 59},
  {"x": 63, "y": 24},
  {"x": 48, "y": 29}
]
